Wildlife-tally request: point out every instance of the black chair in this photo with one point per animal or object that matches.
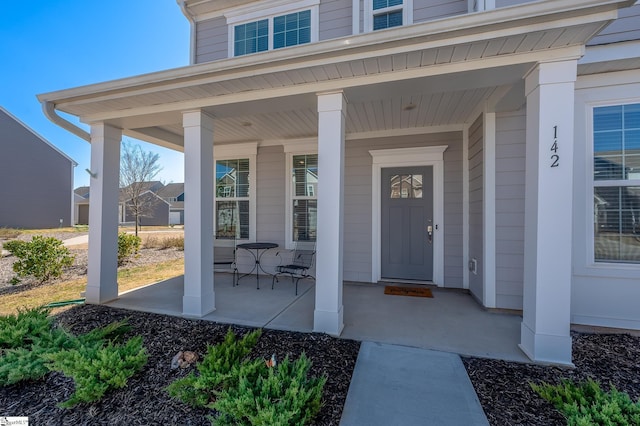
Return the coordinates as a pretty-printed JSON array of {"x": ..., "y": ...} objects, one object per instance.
[
  {"x": 226, "y": 253},
  {"x": 303, "y": 257}
]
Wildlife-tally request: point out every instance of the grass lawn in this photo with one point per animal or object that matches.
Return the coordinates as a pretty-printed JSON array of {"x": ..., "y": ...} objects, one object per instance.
[{"x": 128, "y": 279}]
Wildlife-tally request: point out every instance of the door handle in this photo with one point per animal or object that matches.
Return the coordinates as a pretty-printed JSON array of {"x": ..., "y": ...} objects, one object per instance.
[{"x": 430, "y": 234}]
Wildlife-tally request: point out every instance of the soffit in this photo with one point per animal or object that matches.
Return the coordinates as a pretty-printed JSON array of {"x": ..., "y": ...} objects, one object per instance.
[{"x": 243, "y": 89}]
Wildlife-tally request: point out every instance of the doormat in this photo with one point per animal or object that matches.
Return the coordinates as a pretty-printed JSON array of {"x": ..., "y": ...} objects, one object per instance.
[{"x": 395, "y": 290}]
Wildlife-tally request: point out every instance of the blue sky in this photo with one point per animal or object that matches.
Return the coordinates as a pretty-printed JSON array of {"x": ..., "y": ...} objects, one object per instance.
[{"x": 48, "y": 45}]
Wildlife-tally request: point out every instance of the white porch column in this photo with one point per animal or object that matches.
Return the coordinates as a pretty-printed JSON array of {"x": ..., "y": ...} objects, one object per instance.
[
  {"x": 545, "y": 333},
  {"x": 102, "y": 285},
  {"x": 328, "y": 315},
  {"x": 199, "y": 298}
]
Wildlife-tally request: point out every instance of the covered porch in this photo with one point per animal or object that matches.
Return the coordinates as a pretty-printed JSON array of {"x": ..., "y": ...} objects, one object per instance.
[
  {"x": 451, "y": 321},
  {"x": 473, "y": 101}
]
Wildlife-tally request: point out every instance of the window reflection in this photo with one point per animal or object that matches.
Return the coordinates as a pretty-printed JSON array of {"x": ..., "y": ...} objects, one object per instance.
[{"x": 406, "y": 186}]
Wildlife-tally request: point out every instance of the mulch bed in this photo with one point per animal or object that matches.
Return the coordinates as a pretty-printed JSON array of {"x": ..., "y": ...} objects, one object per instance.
[
  {"x": 507, "y": 399},
  {"x": 144, "y": 401},
  {"x": 502, "y": 387}
]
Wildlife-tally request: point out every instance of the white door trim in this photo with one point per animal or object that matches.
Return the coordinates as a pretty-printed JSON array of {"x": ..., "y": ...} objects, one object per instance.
[{"x": 407, "y": 157}]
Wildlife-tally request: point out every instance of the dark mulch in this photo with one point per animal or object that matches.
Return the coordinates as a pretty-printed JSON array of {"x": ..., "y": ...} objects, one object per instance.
[
  {"x": 507, "y": 399},
  {"x": 144, "y": 400}
]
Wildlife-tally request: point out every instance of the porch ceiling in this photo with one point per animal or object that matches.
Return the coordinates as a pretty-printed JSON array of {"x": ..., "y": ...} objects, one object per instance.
[{"x": 410, "y": 77}]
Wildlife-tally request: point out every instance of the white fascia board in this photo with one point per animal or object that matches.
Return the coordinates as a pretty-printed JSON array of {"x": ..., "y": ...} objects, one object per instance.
[
  {"x": 611, "y": 52},
  {"x": 466, "y": 28},
  {"x": 36, "y": 134}
]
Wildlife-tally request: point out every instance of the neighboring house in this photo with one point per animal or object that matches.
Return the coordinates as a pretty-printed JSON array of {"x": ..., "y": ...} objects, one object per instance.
[
  {"x": 451, "y": 142},
  {"x": 157, "y": 213},
  {"x": 173, "y": 193},
  {"x": 81, "y": 205},
  {"x": 155, "y": 209},
  {"x": 37, "y": 178}
]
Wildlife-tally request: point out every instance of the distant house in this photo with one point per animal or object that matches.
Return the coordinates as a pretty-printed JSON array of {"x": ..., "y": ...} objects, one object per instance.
[
  {"x": 158, "y": 214},
  {"x": 81, "y": 205},
  {"x": 173, "y": 193},
  {"x": 37, "y": 178}
]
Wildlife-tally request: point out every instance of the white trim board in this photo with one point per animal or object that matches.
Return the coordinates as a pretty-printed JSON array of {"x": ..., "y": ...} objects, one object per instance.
[{"x": 407, "y": 157}]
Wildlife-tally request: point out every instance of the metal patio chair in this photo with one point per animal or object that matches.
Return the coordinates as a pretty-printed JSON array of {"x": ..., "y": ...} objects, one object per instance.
[
  {"x": 302, "y": 260},
  {"x": 226, "y": 254}
]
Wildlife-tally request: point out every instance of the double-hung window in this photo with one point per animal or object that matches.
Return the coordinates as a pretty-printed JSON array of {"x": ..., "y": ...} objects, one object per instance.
[
  {"x": 262, "y": 26},
  {"x": 235, "y": 193},
  {"x": 382, "y": 14},
  {"x": 302, "y": 194},
  {"x": 616, "y": 183}
]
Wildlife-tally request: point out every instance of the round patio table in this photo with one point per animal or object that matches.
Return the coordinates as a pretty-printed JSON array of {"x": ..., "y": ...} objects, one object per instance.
[{"x": 257, "y": 250}]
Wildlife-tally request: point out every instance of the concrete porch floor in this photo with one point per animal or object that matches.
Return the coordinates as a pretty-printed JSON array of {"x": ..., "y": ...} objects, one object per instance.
[{"x": 451, "y": 321}]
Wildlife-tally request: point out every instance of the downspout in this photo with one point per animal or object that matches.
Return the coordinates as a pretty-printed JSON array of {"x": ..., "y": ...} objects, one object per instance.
[
  {"x": 49, "y": 110},
  {"x": 192, "y": 27}
]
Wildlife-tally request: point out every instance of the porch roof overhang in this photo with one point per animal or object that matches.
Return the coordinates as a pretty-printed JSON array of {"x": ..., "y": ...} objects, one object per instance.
[{"x": 427, "y": 75}]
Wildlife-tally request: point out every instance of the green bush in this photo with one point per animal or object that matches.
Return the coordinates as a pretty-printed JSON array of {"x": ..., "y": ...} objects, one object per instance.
[
  {"x": 96, "y": 369},
  {"x": 42, "y": 258},
  {"x": 587, "y": 404},
  {"x": 128, "y": 245},
  {"x": 30, "y": 347},
  {"x": 279, "y": 396},
  {"x": 215, "y": 370}
]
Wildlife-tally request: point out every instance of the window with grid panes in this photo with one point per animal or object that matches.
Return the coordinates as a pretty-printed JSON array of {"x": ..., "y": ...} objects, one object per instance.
[
  {"x": 232, "y": 198},
  {"x": 616, "y": 183},
  {"x": 304, "y": 198},
  {"x": 387, "y": 14}
]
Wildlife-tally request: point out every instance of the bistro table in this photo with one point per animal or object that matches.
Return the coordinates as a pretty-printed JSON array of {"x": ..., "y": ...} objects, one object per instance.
[{"x": 256, "y": 250}]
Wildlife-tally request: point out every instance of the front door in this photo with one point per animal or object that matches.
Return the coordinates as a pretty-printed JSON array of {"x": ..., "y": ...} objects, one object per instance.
[{"x": 407, "y": 223}]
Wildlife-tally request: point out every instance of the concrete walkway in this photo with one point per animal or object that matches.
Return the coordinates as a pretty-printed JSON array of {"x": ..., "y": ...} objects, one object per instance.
[{"x": 403, "y": 386}]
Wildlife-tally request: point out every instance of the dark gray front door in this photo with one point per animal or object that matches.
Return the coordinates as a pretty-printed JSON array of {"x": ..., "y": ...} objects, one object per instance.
[{"x": 407, "y": 214}]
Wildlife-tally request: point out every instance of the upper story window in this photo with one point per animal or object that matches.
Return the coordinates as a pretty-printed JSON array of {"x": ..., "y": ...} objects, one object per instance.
[
  {"x": 268, "y": 25},
  {"x": 382, "y": 14},
  {"x": 251, "y": 37},
  {"x": 616, "y": 183}
]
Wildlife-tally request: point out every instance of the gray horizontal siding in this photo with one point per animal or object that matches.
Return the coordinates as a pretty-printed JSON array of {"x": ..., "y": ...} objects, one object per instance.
[
  {"x": 625, "y": 28},
  {"x": 428, "y": 10},
  {"x": 37, "y": 181},
  {"x": 335, "y": 19},
  {"x": 212, "y": 38},
  {"x": 358, "y": 199},
  {"x": 476, "y": 196},
  {"x": 510, "y": 187}
]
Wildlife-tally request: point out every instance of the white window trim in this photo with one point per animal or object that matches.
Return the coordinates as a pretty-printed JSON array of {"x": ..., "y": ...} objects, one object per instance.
[
  {"x": 234, "y": 152},
  {"x": 267, "y": 9},
  {"x": 591, "y": 255},
  {"x": 291, "y": 149},
  {"x": 406, "y": 7},
  {"x": 408, "y": 157}
]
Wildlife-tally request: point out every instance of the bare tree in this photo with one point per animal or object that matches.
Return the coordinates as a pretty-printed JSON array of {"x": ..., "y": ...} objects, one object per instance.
[{"x": 137, "y": 169}]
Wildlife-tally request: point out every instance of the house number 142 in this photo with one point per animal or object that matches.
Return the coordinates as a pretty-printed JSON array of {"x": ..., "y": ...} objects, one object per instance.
[{"x": 555, "y": 158}]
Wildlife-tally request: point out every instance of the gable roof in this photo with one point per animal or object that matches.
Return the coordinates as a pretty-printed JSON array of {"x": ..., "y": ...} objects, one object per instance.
[
  {"x": 82, "y": 191},
  {"x": 171, "y": 190},
  {"x": 30, "y": 130}
]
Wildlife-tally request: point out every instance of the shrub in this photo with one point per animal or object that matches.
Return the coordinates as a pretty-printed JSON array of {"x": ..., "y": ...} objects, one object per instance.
[
  {"x": 164, "y": 243},
  {"x": 587, "y": 404},
  {"x": 96, "y": 369},
  {"x": 42, "y": 258},
  {"x": 30, "y": 347},
  {"x": 279, "y": 396},
  {"x": 215, "y": 370},
  {"x": 128, "y": 245}
]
